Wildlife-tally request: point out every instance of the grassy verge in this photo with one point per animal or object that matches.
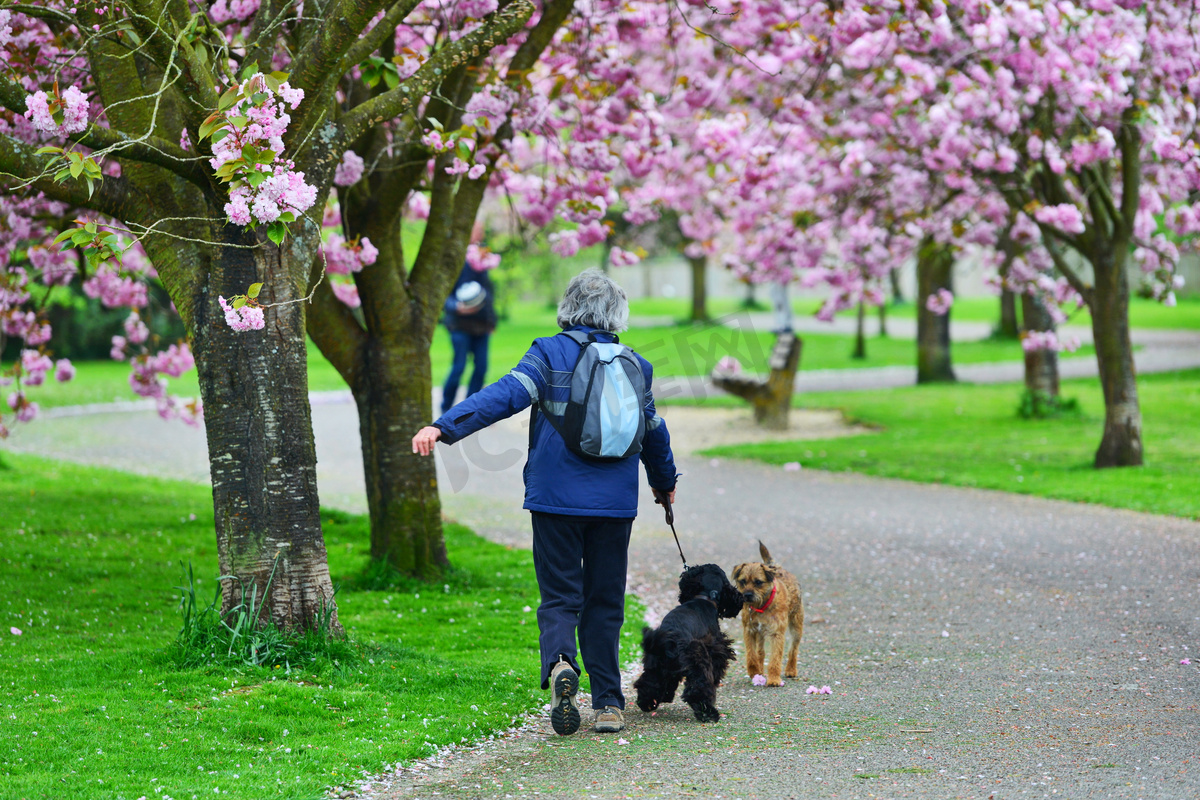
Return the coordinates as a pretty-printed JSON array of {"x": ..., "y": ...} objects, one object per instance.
[
  {"x": 1143, "y": 313},
  {"x": 95, "y": 708},
  {"x": 971, "y": 436},
  {"x": 680, "y": 350}
]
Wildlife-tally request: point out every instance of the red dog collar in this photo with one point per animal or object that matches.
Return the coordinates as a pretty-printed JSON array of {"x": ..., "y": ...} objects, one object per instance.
[{"x": 767, "y": 604}]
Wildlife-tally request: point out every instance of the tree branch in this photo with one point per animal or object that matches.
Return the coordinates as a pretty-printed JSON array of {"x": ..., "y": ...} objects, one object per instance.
[
  {"x": 332, "y": 326},
  {"x": 1130, "y": 141},
  {"x": 19, "y": 161},
  {"x": 408, "y": 94},
  {"x": 372, "y": 39},
  {"x": 1067, "y": 271},
  {"x": 315, "y": 66}
]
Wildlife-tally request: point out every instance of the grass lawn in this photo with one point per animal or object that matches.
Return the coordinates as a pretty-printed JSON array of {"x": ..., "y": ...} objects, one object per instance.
[
  {"x": 971, "y": 436},
  {"x": 1143, "y": 313},
  {"x": 675, "y": 350},
  {"x": 94, "y": 707}
]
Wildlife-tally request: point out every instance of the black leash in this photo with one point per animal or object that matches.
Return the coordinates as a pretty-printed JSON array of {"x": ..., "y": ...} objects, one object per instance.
[{"x": 664, "y": 500}]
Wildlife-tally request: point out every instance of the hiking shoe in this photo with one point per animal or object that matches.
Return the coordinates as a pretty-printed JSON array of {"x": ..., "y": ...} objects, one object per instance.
[
  {"x": 564, "y": 711},
  {"x": 609, "y": 720}
]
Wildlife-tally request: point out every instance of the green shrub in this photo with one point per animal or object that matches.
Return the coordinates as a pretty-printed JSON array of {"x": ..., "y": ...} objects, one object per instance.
[{"x": 1041, "y": 405}]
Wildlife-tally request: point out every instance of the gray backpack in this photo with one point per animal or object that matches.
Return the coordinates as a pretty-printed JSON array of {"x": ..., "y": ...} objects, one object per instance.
[{"x": 604, "y": 418}]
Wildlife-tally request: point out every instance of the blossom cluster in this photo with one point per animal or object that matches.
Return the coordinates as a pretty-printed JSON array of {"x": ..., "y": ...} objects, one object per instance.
[
  {"x": 71, "y": 106},
  {"x": 247, "y": 150},
  {"x": 346, "y": 257},
  {"x": 244, "y": 318}
]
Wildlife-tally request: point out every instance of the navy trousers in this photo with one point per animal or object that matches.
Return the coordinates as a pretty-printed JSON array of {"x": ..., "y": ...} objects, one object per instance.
[
  {"x": 580, "y": 564},
  {"x": 477, "y": 348}
]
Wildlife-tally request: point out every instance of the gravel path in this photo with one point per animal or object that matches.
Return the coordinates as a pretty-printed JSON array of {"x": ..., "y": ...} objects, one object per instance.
[{"x": 978, "y": 644}]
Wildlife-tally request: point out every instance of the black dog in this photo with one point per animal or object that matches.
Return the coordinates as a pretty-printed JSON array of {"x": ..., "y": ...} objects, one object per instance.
[{"x": 689, "y": 645}]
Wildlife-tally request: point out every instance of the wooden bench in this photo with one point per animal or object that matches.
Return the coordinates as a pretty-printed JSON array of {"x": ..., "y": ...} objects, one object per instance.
[{"x": 770, "y": 396}]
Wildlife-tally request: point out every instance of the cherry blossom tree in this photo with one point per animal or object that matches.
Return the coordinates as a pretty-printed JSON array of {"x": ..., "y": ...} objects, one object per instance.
[
  {"x": 1081, "y": 116},
  {"x": 212, "y": 136}
]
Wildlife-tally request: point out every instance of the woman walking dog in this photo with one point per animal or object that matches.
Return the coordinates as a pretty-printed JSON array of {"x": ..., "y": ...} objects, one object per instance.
[{"x": 593, "y": 413}]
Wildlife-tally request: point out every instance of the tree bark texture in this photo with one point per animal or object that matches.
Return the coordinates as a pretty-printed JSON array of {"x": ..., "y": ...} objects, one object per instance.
[
  {"x": 699, "y": 265},
  {"x": 1121, "y": 445},
  {"x": 770, "y": 397},
  {"x": 394, "y": 400},
  {"x": 260, "y": 444},
  {"x": 1007, "y": 327},
  {"x": 1041, "y": 366},
  {"x": 935, "y": 263},
  {"x": 860, "y": 332}
]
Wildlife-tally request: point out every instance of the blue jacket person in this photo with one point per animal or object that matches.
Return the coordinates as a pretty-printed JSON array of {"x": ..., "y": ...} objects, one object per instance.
[{"x": 582, "y": 510}]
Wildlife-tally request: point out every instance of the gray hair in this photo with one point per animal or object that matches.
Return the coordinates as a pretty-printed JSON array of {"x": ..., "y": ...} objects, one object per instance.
[{"x": 594, "y": 299}]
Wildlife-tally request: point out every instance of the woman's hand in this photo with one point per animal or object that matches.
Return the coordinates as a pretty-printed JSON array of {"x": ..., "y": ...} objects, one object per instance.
[{"x": 425, "y": 438}]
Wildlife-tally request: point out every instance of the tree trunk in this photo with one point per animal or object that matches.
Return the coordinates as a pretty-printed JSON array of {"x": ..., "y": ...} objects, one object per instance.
[
  {"x": 394, "y": 398},
  {"x": 860, "y": 332},
  {"x": 260, "y": 442},
  {"x": 894, "y": 277},
  {"x": 883, "y": 334},
  {"x": 1041, "y": 366},
  {"x": 699, "y": 265},
  {"x": 1121, "y": 445},
  {"x": 935, "y": 263},
  {"x": 770, "y": 397},
  {"x": 1008, "y": 328}
]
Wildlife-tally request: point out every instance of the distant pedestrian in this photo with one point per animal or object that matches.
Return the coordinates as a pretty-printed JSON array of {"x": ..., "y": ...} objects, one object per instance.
[
  {"x": 470, "y": 317},
  {"x": 582, "y": 508}
]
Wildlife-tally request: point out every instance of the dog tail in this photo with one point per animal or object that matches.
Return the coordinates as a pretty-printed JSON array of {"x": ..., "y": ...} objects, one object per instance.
[{"x": 765, "y": 553}]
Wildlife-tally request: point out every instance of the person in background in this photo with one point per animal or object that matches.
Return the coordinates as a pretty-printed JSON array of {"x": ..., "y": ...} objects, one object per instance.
[
  {"x": 470, "y": 316},
  {"x": 582, "y": 510}
]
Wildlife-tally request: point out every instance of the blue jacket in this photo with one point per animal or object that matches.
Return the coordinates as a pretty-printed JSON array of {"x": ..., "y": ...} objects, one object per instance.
[{"x": 556, "y": 480}]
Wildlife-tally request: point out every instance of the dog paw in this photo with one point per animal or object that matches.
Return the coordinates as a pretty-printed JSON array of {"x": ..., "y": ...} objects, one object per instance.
[
  {"x": 775, "y": 682},
  {"x": 707, "y": 713}
]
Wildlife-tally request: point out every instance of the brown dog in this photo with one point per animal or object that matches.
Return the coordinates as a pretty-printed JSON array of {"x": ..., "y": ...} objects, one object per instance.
[{"x": 773, "y": 610}]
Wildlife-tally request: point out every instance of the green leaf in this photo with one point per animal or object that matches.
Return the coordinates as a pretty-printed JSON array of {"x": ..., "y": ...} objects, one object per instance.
[
  {"x": 90, "y": 227},
  {"x": 272, "y": 83},
  {"x": 62, "y": 237},
  {"x": 254, "y": 289},
  {"x": 227, "y": 99},
  {"x": 276, "y": 231},
  {"x": 435, "y": 124},
  {"x": 287, "y": 216},
  {"x": 238, "y": 122},
  {"x": 391, "y": 78},
  {"x": 41, "y": 151},
  {"x": 249, "y": 69},
  {"x": 238, "y": 301},
  {"x": 80, "y": 238},
  {"x": 255, "y": 179},
  {"x": 62, "y": 175},
  {"x": 279, "y": 76},
  {"x": 219, "y": 135}
]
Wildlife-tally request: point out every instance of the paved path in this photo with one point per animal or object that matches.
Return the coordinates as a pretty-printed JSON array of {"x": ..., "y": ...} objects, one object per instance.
[
  {"x": 978, "y": 644},
  {"x": 1157, "y": 351}
]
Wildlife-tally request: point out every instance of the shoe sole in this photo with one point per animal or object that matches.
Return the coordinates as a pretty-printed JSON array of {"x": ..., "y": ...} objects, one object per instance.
[{"x": 564, "y": 717}]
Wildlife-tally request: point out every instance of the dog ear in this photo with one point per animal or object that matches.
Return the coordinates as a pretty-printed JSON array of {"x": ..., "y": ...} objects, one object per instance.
[
  {"x": 730, "y": 602},
  {"x": 690, "y": 585},
  {"x": 769, "y": 572},
  {"x": 736, "y": 574},
  {"x": 764, "y": 552}
]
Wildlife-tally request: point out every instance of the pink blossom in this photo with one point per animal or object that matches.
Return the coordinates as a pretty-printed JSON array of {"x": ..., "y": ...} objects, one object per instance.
[
  {"x": 350, "y": 170},
  {"x": 246, "y": 318},
  {"x": 729, "y": 365},
  {"x": 623, "y": 258},
  {"x": 64, "y": 370},
  {"x": 15, "y": 631},
  {"x": 457, "y": 167},
  {"x": 480, "y": 258},
  {"x": 347, "y": 293},
  {"x": 136, "y": 331},
  {"x": 1185, "y": 661},
  {"x": 34, "y": 366},
  {"x": 73, "y": 106},
  {"x": 940, "y": 302},
  {"x": 475, "y": 172},
  {"x": 759, "y": 680},
  {"x": 791, "y": 466}
]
